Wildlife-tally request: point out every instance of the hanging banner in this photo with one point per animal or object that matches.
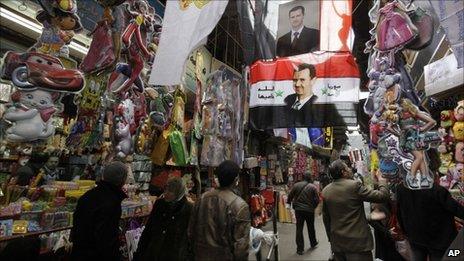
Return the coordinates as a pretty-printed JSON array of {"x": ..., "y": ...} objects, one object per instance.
[
  {"x": 301, "y": 91},
  {"x": 451, "y": 16},
  {"x": 308, "y": 137},
  {"x": 198, "y": 66},
  {"x": 285, "y": 28},
  {"x": 186, "y": 25}
]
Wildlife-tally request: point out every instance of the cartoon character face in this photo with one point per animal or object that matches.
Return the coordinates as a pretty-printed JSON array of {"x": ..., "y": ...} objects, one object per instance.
[
  {"x": 66, "y": 22},
  {"x": 32, "y": 70},
  {"x": 38, "y": 99}
]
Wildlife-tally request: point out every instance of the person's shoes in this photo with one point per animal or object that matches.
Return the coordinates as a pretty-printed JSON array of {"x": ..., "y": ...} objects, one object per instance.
[
  {"x": 314, "y": 246},
  {"x": 299, "y": 253}
]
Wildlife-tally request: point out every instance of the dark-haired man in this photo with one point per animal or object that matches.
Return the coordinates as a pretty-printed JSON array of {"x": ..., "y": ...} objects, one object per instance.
[
  {"x": 300, "y": 39},
  {"x": 219, "y": 228},
  {"x": 344, "y": 216},
  {"x": 299, "y": 104}
]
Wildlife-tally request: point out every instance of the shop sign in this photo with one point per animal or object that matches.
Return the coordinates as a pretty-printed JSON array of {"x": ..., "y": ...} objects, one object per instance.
[{"x": 443, "y": 75}]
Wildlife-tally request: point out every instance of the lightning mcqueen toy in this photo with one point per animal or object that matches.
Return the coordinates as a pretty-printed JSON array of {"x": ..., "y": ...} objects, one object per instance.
[{"x": 34, "y": 70}]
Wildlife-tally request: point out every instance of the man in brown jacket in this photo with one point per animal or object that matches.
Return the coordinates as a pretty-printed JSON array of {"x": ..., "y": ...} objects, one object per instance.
[
  {"x": 343, "y": 209},
  {"x": 219, "y": 228}
]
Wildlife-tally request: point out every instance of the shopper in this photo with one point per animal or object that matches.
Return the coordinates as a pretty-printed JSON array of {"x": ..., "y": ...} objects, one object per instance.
[
  {"x": 427, "y": 219},
  {"x": 379, "y": 219},
  {"x": 27, "y": 173},
  {"x": 165, "y": 234},
  {"x": 220, "y": 225},
  {"x": 304, "y": 198},
  {"x": 95, "y": 229},
  {"x": 343, "y": 208}
]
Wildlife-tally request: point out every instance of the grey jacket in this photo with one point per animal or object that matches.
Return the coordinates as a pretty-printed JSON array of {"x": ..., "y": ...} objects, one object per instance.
[{"x": 344, "y": 215}]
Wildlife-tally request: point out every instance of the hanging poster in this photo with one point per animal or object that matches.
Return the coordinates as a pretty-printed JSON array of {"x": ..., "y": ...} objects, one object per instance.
[
  {"x": 301, "y": 91},
  {"x": 308, "y": 137},
  {"x": 298, "y": 30},
  {"x": 268, "y": 27}
]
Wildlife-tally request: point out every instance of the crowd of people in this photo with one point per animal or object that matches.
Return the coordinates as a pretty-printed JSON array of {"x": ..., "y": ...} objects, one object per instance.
[{"x": 417, "y": 225}]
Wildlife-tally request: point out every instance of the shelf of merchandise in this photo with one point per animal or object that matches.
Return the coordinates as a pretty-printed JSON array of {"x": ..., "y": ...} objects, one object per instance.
[{"x": 31, "y": 234}]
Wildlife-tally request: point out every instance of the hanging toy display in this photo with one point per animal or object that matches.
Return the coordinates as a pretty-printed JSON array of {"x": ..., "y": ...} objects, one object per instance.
[
  {"x": 137, "y": 52},
  {"x": 60, "y": 21},
  {"x": 40, "y": 79},
  {"x": 400, "y": 129}
]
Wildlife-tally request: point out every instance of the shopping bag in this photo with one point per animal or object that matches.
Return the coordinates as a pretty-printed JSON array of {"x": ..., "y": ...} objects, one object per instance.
[{"x": 178, "y": 148}]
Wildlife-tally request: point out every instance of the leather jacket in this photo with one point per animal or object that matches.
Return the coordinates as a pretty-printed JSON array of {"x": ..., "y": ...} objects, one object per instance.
[{"x": 219, "y": 228}]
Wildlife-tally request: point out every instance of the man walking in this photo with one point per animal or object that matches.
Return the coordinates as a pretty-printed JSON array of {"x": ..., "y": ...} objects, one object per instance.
[
  {"x": 344, "y": 215},
  {"x": 304, "y": 198},
  {"x": 95, "y": 229},
  {"x": 219, "y": 228}
]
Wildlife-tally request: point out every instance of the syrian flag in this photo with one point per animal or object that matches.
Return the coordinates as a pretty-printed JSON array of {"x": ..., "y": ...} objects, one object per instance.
[
  {"x": 301, "y": 91},
  {"x": 186, "y": 25}
]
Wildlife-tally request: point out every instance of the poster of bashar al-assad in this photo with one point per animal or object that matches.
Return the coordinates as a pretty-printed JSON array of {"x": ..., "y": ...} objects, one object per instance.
[{"x": 298, "y": 28}]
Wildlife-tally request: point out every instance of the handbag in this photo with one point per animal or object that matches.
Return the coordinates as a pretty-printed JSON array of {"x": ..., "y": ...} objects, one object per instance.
[
  {"x": 395, "y": 28},
  {"x": 425, "y": 26}
]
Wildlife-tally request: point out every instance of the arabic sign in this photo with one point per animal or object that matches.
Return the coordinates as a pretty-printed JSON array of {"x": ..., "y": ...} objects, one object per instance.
[{"x": 301, "y": 91}]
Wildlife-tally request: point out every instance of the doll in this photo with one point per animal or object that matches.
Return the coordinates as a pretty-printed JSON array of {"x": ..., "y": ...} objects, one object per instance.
[{"x": 31, "y": 116}]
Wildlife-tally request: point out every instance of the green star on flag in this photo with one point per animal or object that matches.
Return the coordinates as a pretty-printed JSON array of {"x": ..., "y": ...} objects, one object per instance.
[{"x": 279, "y": 93}]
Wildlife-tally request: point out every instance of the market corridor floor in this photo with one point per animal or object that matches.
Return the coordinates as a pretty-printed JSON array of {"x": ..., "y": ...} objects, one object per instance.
[{"x": 287, "y": 245}]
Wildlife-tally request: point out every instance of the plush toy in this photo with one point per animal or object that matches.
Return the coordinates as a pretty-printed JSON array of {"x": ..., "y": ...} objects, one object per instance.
[
  {"x": 446, "y": 119},
  {"x": 31, "y": 116},
  {"x": 458, "y": 127}
]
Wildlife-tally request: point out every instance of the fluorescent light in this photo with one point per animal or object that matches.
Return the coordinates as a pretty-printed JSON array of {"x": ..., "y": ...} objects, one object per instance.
[{"x": 36, "y": 28}]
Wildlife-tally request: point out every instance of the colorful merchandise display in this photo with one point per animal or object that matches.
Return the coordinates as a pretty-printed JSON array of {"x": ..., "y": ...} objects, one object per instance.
[{"x": 400, "y": 130}]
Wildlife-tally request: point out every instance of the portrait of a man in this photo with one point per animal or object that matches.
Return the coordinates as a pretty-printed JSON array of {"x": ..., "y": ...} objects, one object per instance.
[
  {"x": 299, "y": 104},
  {"x": 300, "y": 39}
]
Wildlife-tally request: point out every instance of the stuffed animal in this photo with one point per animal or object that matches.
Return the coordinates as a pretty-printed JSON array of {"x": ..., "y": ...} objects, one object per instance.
[
  {"x": 446, "y": 119},
  {"x": 458, "y": 127},
  {"x": 31, "y": 116}
]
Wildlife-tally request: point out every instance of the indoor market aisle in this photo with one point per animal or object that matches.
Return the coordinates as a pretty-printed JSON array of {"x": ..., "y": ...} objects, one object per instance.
[{"x": 287, "y": 246}]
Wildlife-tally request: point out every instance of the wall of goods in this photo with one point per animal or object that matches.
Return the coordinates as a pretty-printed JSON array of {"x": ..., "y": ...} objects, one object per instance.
[{"x": 101, "y": 109}]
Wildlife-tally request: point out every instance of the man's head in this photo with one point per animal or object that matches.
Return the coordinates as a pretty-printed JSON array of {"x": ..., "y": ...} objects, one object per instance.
[
  {"x": 338, "y": 169},
  {"x": 175, "y": 189},
  {"x": 303, "y": 79},
  {"x": 227, "y": 173},
  {"x": 52, "y": 162},
  {"x": 115, "y": 173},
  {"x": 307, "y": 177},
  {"x": 296, "y": 15}
]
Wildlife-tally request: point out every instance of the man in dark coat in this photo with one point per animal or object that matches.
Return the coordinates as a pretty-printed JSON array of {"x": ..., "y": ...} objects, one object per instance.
[
  {"x": 165, "y": 235},
  {"x": 300, "y": 39},
  {"x": 304, "y": 198},
  {"x": 343, "y": 208},
  {"x": 95, "y": 231}
]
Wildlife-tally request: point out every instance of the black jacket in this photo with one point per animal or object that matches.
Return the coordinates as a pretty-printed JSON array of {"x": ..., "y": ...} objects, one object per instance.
[
  {"x": 95, "y": 231},
  {"x": 304, "y": 197},
  {"x": 307, "y": 41},
  {"x": 165, "y": 235},
  {"x": 427, "y": 216}
]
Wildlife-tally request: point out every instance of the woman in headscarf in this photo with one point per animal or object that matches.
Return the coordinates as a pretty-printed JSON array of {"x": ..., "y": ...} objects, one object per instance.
[{"x": 165, "y": 235}]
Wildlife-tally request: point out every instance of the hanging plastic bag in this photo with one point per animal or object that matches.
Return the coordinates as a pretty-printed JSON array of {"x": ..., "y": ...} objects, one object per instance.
[
  {"x": 159, "y": 153},
  {"x": 178, "y": 148}
]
